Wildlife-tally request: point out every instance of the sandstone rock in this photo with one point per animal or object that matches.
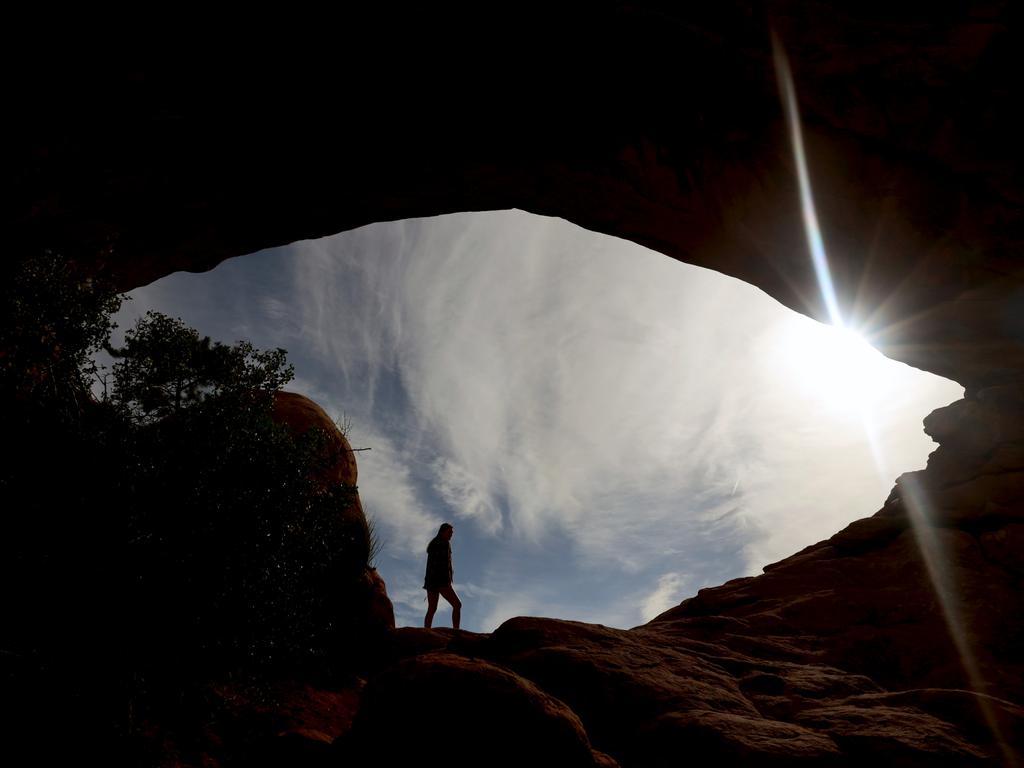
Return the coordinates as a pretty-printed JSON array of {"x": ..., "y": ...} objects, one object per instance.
[
  {"x": 893, "y": 736},
  {"x": 978, "y": 717},
  {"x": 660, "y": 693},
  {"x": 734, "y": 739},
  {"x": 381, "y": 610},
  {"x": 867, "y": 533},
  {"x": 880, "y": 615},
  {"x": 258, "y": 722},
  {"x": 1005, "y": 546},
  {"x": 910, "y": 128},
  {"x": 300, "y": 414},
  {"x": 613, "y": 679},
  {"x": 407, "y": 641},
  {"x": 446, "y": 709}
]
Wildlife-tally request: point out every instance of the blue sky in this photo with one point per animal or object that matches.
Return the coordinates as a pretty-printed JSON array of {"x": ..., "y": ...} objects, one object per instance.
[{"x": 607, "y": 429}]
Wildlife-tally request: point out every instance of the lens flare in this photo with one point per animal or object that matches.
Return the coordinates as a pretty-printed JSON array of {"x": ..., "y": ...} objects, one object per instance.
[
  {"x": 815, "y": 242},
  {"x": 937, "y": 564}
]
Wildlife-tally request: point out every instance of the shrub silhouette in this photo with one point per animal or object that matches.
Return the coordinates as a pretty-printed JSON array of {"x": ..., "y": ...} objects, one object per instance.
[
  {"x": 52, "y": 322},
  {"x": 238, "y": 553},
  {"x": 233, "y": 554}
]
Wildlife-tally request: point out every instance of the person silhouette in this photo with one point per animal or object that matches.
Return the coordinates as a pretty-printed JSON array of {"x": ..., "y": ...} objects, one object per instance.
[{"x": 438, "y": 579}]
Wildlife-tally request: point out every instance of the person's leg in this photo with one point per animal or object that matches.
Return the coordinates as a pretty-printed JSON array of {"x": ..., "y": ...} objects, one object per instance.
[
  {"x": 431, "y": 607},
  {"x": 449, "y": 594}
]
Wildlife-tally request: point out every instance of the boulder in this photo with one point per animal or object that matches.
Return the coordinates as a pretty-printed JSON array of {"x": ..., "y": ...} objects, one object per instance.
[
  {"x": 447, "y": 709},
  {"x": 299, "y": 414}
]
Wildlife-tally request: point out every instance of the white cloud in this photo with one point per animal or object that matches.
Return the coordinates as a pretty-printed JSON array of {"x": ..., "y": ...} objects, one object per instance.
[
  {"x": 463, "y": 492},
  {"x": 540, "y": 382},
  {"x": 389, "y": 496},
  {"x": 570, "y": 375},
  {"x": 275, "y": 309},
  {"x": 667, "y": 594},
  {"x": 409, "y": 601},
  {"x": 504, "y": 608}
]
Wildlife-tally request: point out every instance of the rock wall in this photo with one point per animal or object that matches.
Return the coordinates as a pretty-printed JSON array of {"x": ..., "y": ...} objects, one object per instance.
[
  {"x": 299, "y": 414},
  {"x": 660, "y": 124},
  {"x": 655, "y": 124}
]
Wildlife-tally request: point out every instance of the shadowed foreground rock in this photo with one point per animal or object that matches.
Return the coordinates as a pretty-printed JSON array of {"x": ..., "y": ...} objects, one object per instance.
[
  {"x": 443, "y": 709},
  {"x": 661, "y": 696},
  {"x": 300, "y": 414}
]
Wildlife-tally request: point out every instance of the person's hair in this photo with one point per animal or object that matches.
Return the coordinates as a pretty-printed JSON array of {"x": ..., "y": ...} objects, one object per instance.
[{"x": 444, "y": 527}]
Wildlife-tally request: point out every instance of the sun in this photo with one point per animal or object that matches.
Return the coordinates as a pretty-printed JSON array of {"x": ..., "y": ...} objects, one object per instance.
[{"x": 835, "y": 365}]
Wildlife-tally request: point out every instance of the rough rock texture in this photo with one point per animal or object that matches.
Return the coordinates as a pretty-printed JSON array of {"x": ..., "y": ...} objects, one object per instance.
[
  {"x": 473, "y": 712},
  {"x": 300, "y": 414},
  {"x": 697, "y": 689},
  {"x": 659, "y": 123},
  {"x": 379, "y": 606},
  {"x": 255, "y": 723}
]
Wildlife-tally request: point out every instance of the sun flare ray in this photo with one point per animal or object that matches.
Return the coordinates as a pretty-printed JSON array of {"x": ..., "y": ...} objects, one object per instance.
[
  {"x": 849, "y": 380},
  {"x": 815, "y": 241}
]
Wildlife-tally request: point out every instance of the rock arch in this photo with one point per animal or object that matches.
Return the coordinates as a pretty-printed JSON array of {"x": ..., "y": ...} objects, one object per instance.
[
  {"x": 659, "y": 126},
  {"x": 634, "y": 121}
]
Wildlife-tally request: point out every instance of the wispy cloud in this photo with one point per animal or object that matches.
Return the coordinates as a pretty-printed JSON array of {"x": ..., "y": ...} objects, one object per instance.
[
  {"x": 464, "y": 493},
  {"x": 668, "y": 593},
  {"x": 538, "y": 383}
]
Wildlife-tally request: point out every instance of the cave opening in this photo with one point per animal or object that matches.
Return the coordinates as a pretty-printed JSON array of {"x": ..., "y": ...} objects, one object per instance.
[{"x": 609, "y": 429}]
